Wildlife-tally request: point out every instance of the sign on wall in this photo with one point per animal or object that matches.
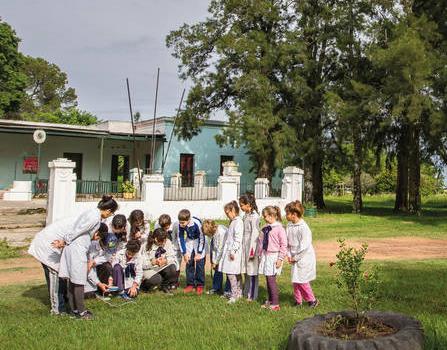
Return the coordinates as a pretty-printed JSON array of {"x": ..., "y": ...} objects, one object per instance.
[{"x": 30, "y": 165}]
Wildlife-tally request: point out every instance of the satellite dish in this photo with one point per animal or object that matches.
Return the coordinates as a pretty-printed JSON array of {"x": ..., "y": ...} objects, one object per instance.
[{"x": 39, "y": 136}]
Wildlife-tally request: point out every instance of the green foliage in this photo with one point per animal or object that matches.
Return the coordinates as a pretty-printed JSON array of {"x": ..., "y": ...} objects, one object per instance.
[
  {"x": 128, "y": 187},
  {"x": 67, "y": 116},
  {"x": 12, "y": 80},
  {"x": 47, "y": 89},
  {"x": 431, "y": 180},
  {"x": 361, "y": 285}
]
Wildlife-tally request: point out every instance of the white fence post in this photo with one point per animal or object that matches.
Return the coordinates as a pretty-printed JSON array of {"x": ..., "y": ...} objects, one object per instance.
[
  {"x": 61, "y": 189},
  {"x": 292, "y": 184},
  {"x": 199, "y": 178},
  {"x": 153, "y": 188},
  {"x": 262, "y": 188},
  {"x": 176, "y": 180},
  {"x": 229, "y": 182}
]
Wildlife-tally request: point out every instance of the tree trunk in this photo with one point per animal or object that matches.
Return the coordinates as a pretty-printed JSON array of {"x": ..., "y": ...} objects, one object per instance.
[
  {"x": 357, "y": 204},
  {"x": 414, "y": 176},
  {"x": 317, "y": 181},
  {"x": 401, "y": 202}
]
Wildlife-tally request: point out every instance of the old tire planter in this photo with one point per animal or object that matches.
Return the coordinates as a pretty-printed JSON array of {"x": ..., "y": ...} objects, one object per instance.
[{"x": 306, "y": 334}]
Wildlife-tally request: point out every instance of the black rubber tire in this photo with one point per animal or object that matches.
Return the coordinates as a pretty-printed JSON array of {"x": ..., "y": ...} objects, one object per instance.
[{"x": 306, "y": 334}]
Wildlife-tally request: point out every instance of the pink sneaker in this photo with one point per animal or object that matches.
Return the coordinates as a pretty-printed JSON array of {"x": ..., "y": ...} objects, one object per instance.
[
  {"x": 274, "y": 308},
  {"x": 188, "y": 289}
]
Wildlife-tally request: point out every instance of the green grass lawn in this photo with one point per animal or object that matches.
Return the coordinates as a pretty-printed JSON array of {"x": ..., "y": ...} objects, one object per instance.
[
  {"x": 378, "y": 219},
  {"x": 156, "y": 321}
]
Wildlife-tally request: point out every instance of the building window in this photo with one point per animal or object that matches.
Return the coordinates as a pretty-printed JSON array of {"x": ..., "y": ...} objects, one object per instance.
[
  {"x": 120, "y": 168},
  {"x": 187, "y": 169},
  {"x": 224, "y": 159},
  {"x": 77, "y": 158}
]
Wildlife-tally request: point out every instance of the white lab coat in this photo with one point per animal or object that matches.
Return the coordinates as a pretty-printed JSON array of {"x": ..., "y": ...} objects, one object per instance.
[
  {"x": 232, "y": 245},
  {"x": 73, "y": 263},
  {"x": 175, "y": 245},
  {"x": 198, "y": 245},
  {"x": 41, "y": 248},
  {"x": 299, "y": 238},
  {"x": 120, "y": 258},
  {"x": 250, "y": 244},
  {"x": 218, "y": 243},
  {"x": 150, "y": 270}
]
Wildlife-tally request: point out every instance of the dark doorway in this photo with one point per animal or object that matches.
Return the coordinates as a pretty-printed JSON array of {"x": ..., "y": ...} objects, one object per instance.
[
  {"x": 224, "y": 159},
  {"x": 147, "y": 166},
  {"x": 120, "y": 168},
  {"x": 77, "y": 158},
  {"x": 187, "y": 169}
]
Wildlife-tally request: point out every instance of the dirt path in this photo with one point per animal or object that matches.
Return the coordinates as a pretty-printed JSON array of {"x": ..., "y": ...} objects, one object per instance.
[{"x": 27, "y": 269}]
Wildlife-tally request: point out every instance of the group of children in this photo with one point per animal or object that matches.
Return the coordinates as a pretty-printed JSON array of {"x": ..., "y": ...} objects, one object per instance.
[{"x": 83, "y": 256}]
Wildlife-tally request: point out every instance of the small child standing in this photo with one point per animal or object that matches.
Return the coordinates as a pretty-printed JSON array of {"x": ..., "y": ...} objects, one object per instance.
[
  {"x": 273, "y": 241},
  {"x": 301, "y": 255},
  {"x": 192, "y": 246},
  {"x": 230, "y": 263},
  {"x": 217, "y": 235},
  {"x": 128, "y": 269},
  {"x": 250, "y": 261}
]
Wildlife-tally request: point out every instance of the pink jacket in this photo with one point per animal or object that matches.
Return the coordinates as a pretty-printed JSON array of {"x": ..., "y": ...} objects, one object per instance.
[{"x": 277, "y": 241}]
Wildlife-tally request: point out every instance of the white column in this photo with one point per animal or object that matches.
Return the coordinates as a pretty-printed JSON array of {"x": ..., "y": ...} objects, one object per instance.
[
  {"x": 61, "y": 189},
  {"x": 228, "y": 184},
  {"x": 20, "y": 191},
  {"x": 153, "y": 188},
  {"x": 199, "y": 178},
  {"x": 262, "y": 188},
  {"x": 292, "y": 184},
  {"x": 134, "y": 178},
  {"x": 176, "y": 180}
]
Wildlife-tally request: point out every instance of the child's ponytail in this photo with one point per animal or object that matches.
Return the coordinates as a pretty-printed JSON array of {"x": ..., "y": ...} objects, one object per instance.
[
  {"x": 108, "y": 203},
  {"x": 274, "y": 211},
  {"x": 278, "y": 213}
]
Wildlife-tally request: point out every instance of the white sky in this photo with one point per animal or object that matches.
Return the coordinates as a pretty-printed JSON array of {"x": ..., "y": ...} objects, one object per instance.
[{"x": 99, "y": 43}]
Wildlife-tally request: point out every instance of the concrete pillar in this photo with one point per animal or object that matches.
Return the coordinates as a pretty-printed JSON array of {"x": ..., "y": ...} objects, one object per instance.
[
  {"x": 199, "y": 178},
  {"x": 20, "y": 191},
  {"x": 61, "y": 189},
  {"x": 134, "y": 178},
  {"x": 153, "y": 188},
  {"x": 176, "y": 180},
  {"x": 292, "y": 184},
  {"x": 262, "y": 189},
  {"x": 229, "y": 182}
]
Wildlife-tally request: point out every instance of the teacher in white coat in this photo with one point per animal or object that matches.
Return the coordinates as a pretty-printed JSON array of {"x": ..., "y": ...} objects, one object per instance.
[{"x": 73, "y": 264}]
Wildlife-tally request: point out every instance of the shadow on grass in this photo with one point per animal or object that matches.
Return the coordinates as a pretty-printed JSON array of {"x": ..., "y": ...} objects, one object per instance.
[{"x": 39, "y": 293}]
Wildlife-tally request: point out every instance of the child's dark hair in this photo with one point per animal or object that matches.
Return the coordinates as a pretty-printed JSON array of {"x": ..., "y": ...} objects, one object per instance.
[
  {"x": 108, "y": 203},
  {"x": 135, "y": 216},
  {"x": 184, "y": 215},
  {"x": 159, "y": 234},
  {"x": 133, "y": 246},
  {"x": 232, "y": 206},
  {"x": 249, "y": 198},
  {"x": 273, "y": 210},
  {"x": 103, "y": 231},
  {"x": 133, "y": 231},
  {"x": 209, "y": 227},
  {"x": 295, "y": 207},
  {"x": 164, "y": 220},
  {"x": 119, "y": 221}
]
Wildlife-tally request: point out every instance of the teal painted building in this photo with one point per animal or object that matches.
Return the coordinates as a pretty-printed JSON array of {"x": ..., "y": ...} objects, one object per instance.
[{"x": 107, "y": 151}]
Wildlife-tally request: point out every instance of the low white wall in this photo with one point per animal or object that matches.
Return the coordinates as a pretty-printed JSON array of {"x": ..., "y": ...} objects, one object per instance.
[{"x": 201, "y": 209}]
